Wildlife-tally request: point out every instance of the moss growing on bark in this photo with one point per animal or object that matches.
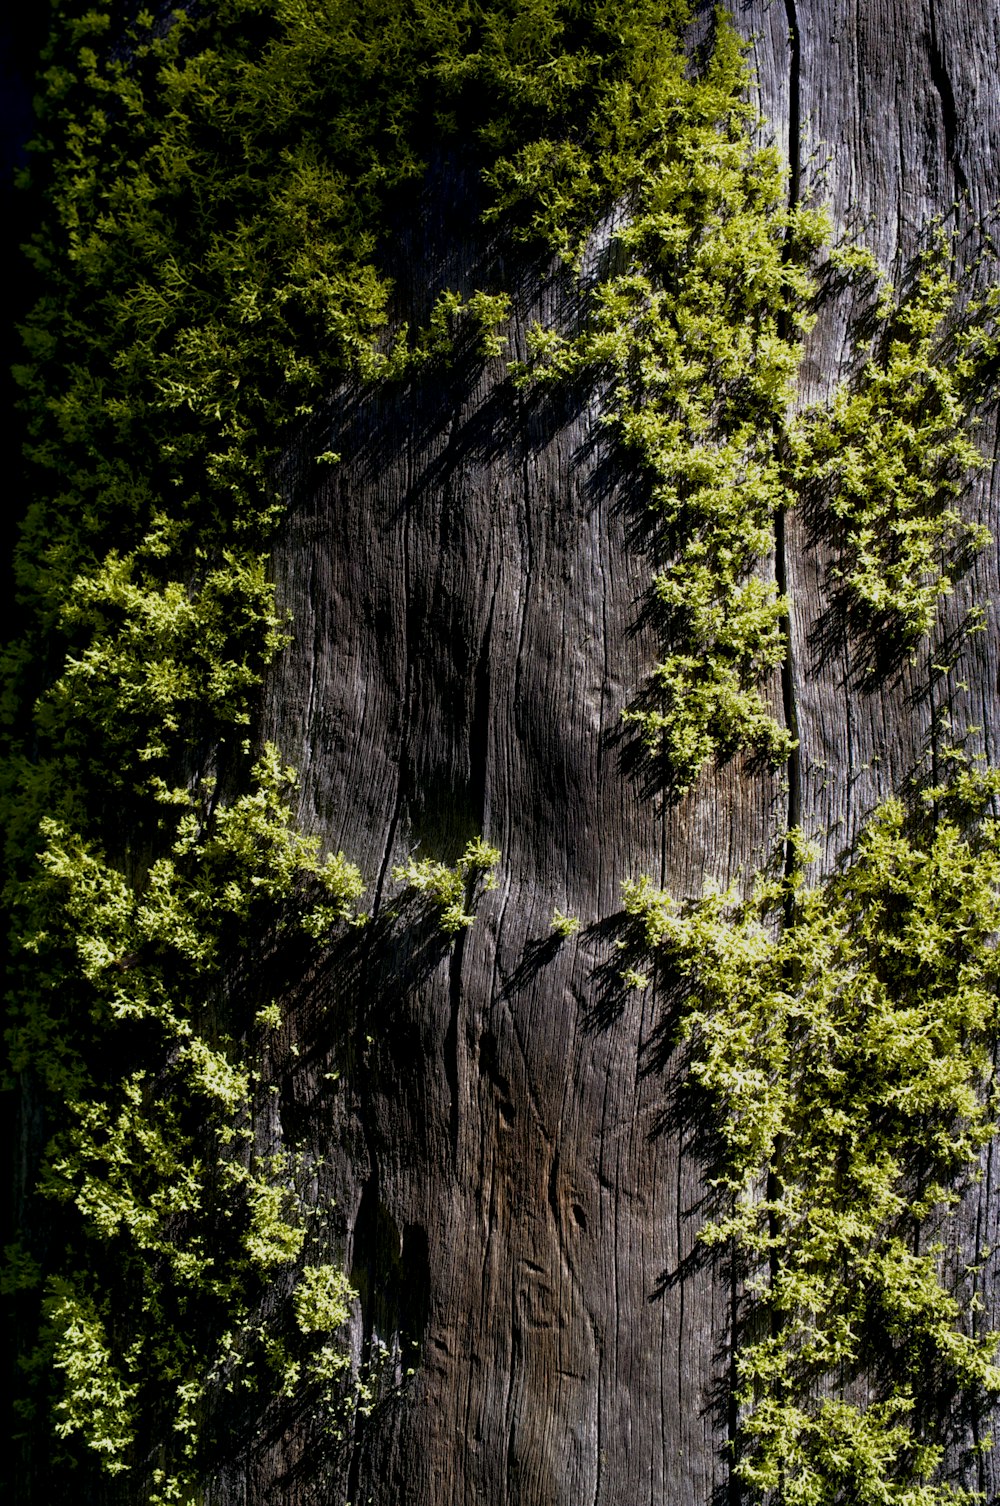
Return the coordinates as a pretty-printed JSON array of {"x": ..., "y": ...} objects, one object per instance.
[
  {"x": 843, "y": 1033},
  {"x": 218, "y": 188}
]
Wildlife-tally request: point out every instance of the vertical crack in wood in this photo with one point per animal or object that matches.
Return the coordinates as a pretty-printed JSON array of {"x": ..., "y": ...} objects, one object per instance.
[
  {"x": 949, "y": 113},
  {"x": 479, "y": 730},
  {"x": 794, "y": 103},
  {"x": 794, "y": 765},
  {"x": 510, "y": 1453},
  {"x": 451, "y": 1038},
  {"x": 793, "y": 811},
  {"x": 780, "y": 524},
  {"x": 679, "y": 1260},
  {"x": 520, "y": 720},
  {"x": 409, "y": 637},
  {"x": 315, "y": 659},
  {"x": 734, "y": 1492},
  {"x": 356, "y": 1429},
  {"x": 985, "y": 1202}
]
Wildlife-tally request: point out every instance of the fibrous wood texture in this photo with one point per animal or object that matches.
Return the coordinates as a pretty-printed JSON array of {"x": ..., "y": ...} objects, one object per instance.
[{"x": 516, "y": 1193}]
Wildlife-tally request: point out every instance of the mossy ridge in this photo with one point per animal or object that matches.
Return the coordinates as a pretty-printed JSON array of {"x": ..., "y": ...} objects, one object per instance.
[{"x": 849, "y": 1058}]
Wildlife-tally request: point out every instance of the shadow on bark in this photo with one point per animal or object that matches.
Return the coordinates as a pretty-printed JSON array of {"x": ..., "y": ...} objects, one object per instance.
[{"x": 346, "y": 1035}]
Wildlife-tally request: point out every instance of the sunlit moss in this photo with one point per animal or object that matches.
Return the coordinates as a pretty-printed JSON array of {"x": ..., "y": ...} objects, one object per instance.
[
  {"x": 847, "y": 1057},
  {"x": 219, "y": 185}
]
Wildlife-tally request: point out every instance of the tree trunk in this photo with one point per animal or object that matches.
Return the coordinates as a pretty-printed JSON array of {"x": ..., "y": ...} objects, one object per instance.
[
  {"x": 495, "y": 1124},
  {"x": 520, "y": 1202}
]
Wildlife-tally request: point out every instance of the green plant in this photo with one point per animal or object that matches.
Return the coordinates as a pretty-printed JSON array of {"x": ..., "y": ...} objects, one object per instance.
[
  {"x": 214, "y": 190},
  {"x": 847, "y": 1058},
  {"x": 171, "y": 1222},
  {"x": 695, "y": 341},
  {"x": 219, "y": 188},
  {"x": 698, "y": 356},
  {"x": 488, "y": 311},
  {"x": 892, "y": 453},
  {"x": 564, "y": 926},
  {"x": 450, "y": 890}
]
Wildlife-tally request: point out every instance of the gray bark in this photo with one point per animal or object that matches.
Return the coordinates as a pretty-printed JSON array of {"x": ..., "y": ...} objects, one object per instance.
[{"x": 513, "y": 1193}]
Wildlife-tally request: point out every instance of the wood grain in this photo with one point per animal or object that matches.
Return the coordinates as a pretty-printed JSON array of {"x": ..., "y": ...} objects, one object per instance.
[{"x": 513, "y": 1192}]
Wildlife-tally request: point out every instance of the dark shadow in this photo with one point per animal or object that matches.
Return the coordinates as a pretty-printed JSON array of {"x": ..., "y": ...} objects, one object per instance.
[
  {"x": 847, "y": 631},
  {"x": 876, "y": 645},
  {"x": 361, "y": 985},
  {"x": 686, "y": 1110},
  {"x": 616, "y": 942},
  {"x": 390, "y": 1272},
  {"x": 538, "y": 953},
  {"x": 946, "y": 1412},
  {"x": 347, "y": 1033}
]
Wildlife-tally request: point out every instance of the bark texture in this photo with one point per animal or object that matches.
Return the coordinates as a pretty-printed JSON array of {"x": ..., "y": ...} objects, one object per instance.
[{"x": 518, "y": 1201}]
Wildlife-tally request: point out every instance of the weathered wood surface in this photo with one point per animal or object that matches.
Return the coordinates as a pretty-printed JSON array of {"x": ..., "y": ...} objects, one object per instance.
[{"x": 511, "y": 1190}]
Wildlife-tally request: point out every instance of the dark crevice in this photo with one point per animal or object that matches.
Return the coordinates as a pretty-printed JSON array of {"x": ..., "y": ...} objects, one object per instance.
[
  {"x": 479, "y": 730},
  {"x": 734, "y": 1492},
  {"x": 793, "y": 809},
  {"x": 520, "y": 723},
  {"x": 794, "y": 768},
  {"x": 403, "y": 778},
  {"x": 451, "y": 1038},
  {"x": 369, "y": 1198},
  {"x": 949, "y": 113},
  {"x": 794, "y": 104},
  {"x": 554, "y": 1189},
  {"x": 794, "y": 772},
  {"x": 489, "y": 1066}
]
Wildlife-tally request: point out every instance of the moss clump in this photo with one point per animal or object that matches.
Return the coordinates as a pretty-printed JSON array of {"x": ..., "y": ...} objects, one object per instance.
[
  {"x": 847, "y": 1057},
  {"x": 170, "y": 1221},
  {"x": 893, "y": 452},
  {"x": 450, "y": 890},
  {"x": 696, "y": 339}
]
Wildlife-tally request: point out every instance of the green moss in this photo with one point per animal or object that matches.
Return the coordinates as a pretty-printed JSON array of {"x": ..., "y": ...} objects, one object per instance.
[
  {"x": 450, "y": 890},
  {"x": 892, "y": 452},
  {"x": 215, "y": 258},
  {"x": 217, "y": 189},
  {"x": 846, "y": 1058},
  {"x": 697, "y": 339},
  {"x": 171, "y": 1223}
]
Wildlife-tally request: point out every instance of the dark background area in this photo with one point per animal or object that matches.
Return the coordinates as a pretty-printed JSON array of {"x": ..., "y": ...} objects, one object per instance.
[{"x": 22, "y": 35}]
